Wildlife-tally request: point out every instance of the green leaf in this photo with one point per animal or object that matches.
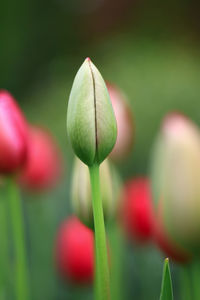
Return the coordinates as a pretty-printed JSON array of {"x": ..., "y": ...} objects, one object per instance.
[{"x": 166, "y": 287}]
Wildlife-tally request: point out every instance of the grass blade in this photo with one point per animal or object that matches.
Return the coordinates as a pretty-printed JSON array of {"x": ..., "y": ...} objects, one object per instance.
[{"x": 166, "y": 287}]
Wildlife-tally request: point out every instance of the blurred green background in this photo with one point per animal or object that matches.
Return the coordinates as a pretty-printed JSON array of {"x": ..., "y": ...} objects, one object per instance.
[{"x": 150, "y": 49}]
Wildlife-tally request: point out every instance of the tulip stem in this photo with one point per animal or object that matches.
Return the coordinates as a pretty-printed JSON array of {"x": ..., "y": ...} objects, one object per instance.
[
  {"x": 20, "y": 273},
  {"x": 116, "y": 243},
  {"x": 4, "y": 248},
  {"x": 185, "y": 283},
  {"x": 102, "y": 277},
  {"x": 195, "y": 275}
]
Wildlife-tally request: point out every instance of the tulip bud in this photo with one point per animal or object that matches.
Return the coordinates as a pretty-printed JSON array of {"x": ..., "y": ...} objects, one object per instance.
[
  {"x": 43, "y": 166},
  {"x": 125, "y": 124},
  {"x": 137, "y": 213},
  {"x": 176, "y": 179},
  {"x": 91, "y": 123},
  {"x": 13, "y": 134},
  {"x": 81, "y": 191},
  {"x": 75, "y": 251}
]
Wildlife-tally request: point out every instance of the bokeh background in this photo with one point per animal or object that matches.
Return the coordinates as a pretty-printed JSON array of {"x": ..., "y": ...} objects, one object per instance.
[{"x": 150, "y": 49}]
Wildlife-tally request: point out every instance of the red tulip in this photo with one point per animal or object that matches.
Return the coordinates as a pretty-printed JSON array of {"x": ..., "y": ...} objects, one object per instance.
[
  {"x": 43, "y": 165},
  {"x": 125, "y": 124},
  {"x": 137, "y": 213},
  {"x": 167, "y": 245},
  {"x": 75, "y": 251},
  {"x": 13, "y": 134}
]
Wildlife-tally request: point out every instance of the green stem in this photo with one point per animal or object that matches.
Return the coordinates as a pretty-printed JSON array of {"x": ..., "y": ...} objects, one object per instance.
[
  {"x": 195, "y": 277},
  {"x": 21, "y": 273},
  {"x": 102, "y": 280},
  {"x": 116, "y": 244},
  {"x": 185, "y": 283},
  {"x": 190, "y": 276},
  {"x": 4, "y": 248}
]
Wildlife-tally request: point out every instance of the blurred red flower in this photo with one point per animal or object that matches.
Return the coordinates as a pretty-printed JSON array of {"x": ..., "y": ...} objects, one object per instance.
[
  {"x": 13, "y": 134},
  {"x": 137, "y": 214},
  {"x": 142, "y": 224},
  {"x": 43, "y": 166},
  {"x": 75, "y": 251}
]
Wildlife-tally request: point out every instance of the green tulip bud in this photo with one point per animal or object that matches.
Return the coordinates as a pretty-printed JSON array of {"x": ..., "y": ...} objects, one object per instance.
[
  {"x": 176, "y": 179},
  {"x": 81, "y": 191},
  {"x": 91, "y": 123}
]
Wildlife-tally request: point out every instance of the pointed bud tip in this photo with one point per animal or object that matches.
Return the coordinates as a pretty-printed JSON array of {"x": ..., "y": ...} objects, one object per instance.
[
  {"x": 173, "y": 117},
  {"x": 4, "y": 91},
  {"x": 174, "y": 122},
  {"x": 5, "y": 94}
]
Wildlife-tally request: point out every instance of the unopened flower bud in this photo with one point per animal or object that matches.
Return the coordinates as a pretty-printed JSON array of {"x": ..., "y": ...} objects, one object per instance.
[
  {"x": 81, "y": 191},
  {"x": 91, "y": 123},
  {"x": 13, "y": 134},
  {"x": 176, "y": 179},
  {"x": 43, "y": 165},
  {"x": 125, "y": 123},
  {"x": 75, "y": 251},
  {"x": 136, "y": 210}
]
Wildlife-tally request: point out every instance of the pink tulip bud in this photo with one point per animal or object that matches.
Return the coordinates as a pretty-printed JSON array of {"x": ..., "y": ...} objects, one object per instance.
[
  {"x": 176, "y": 180},
  {"x": 43, "y": 166},
  {"x": 137, "y": 214},
  {"x": 75, "y": 251},
  {"x": 13, "y": 134},
  {"x": 125, "y": 124}
]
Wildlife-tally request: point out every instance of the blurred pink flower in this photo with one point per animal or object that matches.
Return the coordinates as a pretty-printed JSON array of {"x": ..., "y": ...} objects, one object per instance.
[
  {"x": 13, "y": 134},
  {"x": 125, "y": 124},
  {"x": 175, "y": 174},
  {"x": 43, "y": 166}
]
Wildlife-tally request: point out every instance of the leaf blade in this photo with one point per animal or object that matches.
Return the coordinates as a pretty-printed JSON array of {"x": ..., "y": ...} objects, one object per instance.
[{"x": 166, "y": 287}]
